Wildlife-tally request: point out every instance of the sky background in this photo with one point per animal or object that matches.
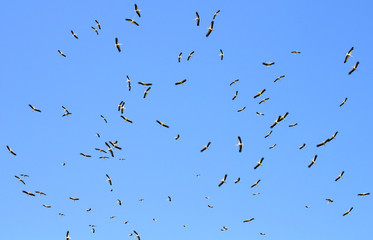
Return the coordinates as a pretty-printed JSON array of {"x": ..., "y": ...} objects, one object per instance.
[{"x": 91, "y": 81}]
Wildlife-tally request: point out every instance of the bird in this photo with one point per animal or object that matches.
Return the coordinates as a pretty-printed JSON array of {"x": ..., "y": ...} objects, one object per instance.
[
  {"x": 147, "y": 91},
  {"x": 248, "y": 220},
  {"x": 293, "y": 125},
  {"x": 137, "y": 10},
  {"x": 11, "y": 151},
  {"x": 46, "y": 206},
  {"x": 281, "y": 118},
  {"x": 61, "y": 214},
  {"x": 154, "y": 220},
  {"x": 61, "y": 53},
  {"x": 119, "y": 202},
  {"x": 67, "y": 235},
  {"x": 344, "y": 101},
  {"x": 234, "y": 82},
  {"x": 74, "y": 35},
  {"x": 237, "y": 180},
  {"x": 19, "y": 179},
  {"x": 177, "y": 137},
  {"x": 211, "y": 28},
  {"x": 240, "y": 144},
  {"x": 308, "y": 207},
  {"x": 348, "y": 54},
  {"x": 348, "y": 212},
  {"x": 259, "y": 114},
  {"x": 98, "y": 24},
  {"x": 198, "y": 19},
  {"x": 94, "y": 29},
  {"x": 108, "y": 179},
  {"x": 28, "y": 193},
  {"x": 259, "y": 163},
  {"x": 66, "y": 112},
  {"x": 145, "y": 84},
  {"x": 169, "y": 198},
  {"x": 210, "y": 206},
  {"x": 340, "y": 176},
  {"x": 268, "y": 63},
  {"x": 112, "y": 217},
  {"x": 264, "y": 100},
  {"x": 24, "y": 175},
  {"x": 40, "y": 193},
  {"x": 255, "y": 194},
  {"x": 363, "y": 194},
  {"x": 216, "y": 14},
  {"x": 110, "y": 149},
  {"x": 103, "y": 118},
  {"x": 117, "y": 45},
  {"x": 121, "y": 107},
  {"x": 223, "y": 180},
  {"x": 255, "y": 184},
  {"x": 74, "y": 199},
  {"x": 240, "y": 110},
  {"x": 137, "y": 235},
  {"x": 190, "y": 55},
  {"x": 279, "y": 78},
  {"x": 313, "y": 161},
  {"x": 85, "y": 155},
  {"x": 126, "y": 119},
  {"x": 353, "y": 68},
  {"x": 89, "y": 209},
  {"x": 221, "y": 55},
  {"x": 333, "y": 137},
  {"x": 98, "y": 135},
  {"x": 103, "y": 157},
  {"x": 260, "y": 93},
  {"x": 206, "y": 146},
  {"x": 162, "y": 124},
  {"x": 181, "y": 82},
  {"x": 115, "y": 145},
  {"x": 329, "y": 200},
  {"x": 179, "y": 57},
  {"x": 224, "y": 229},
  {"x": 262, "y": 234},
  {"x": 129, "y": 83},
  {"x": 322, "y": 143},
  {"x": 303, "y": 145},
  {"x": 295, "y": 52},
  {"x": 34, "y": 108},
  {"x": 132, "y": 21},
  {"x": 268, "y": 134},
  {"x": 272, "y": 146}
]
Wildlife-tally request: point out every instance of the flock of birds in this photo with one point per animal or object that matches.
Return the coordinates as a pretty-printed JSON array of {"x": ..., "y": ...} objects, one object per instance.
[{"x": 113, "y": 145}]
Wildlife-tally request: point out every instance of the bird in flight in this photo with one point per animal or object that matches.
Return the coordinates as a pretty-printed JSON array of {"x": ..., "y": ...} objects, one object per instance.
[
  {"x": 162, "y": 124},
  {"x": 115, "y": 145},
  {"x": 272, "y": 146},
  {"x": 40, "y": 193},
  {"x": 19, "y": 179},
  {"x": 295, "y": 52},
  {"x": 340, "y": 176},
  {"x": 259, "y": 93},
  {"x": 110, "y": 149},
  {"x": 117, "y": 44},
  {"x": 216, "y": 14},
  {"x": 67, "y": 113},
  {"x": 85, "y": 155},
  {"x": 34, "y": 108},
  {"x": 348, "y": 212},
  {"x": 348, "y": 54},
  {"x": 235, "y": 95},
  {"x": 67, "y": 236},
  {"x": 329, "y": 200},
  {"x": 248, "y": 220},
  {"x": 103, "y": 118},
  {"x": 268, "y": 134},
  {"x": 221, "y": 55},
  {"x": 137, "y": 10},
  {"x": 177, "y": 137},
  {"x": 11, "y": 151},
  {"x": 74, "y": 199},
  {"x": 223, "y": 180},
  {"x": 94, "y": 29},
  {"x": 74, "y": 35},
  {"x": 240, "y": 110},
  {"x": 198, "y": 19},
  {"x": 264, "y": 100},
  {"x": 137, "y": 235},
  {"x": 206, "y": 146},
  {"x": 132, "y": 21},
  {"x": 121, "y": 107},
  {"x": 237, "y": 180},
  {"x": 343, "y": 103},
  {"x": 240, "y": 144},
  {"x": 255, "y": 184},
  {"x": 313, "y": 161},
  {"x": 303, "y": 145},
  {"x": 353, "y": 68},
  {"x": 61, "y": 53},
  {"x": 211, "y": 28},
  {"x": 268, "y": 64},
  {"x": 145, "y": 84},
  {"x": 363, "y": 194},
  {"x": 259, "y": 114},
  {"x": 234, "y": 82},
  {"x": 259, "y": 163},
  {"x": 28, "y": 193},
  {"x": 179, "y": 57},
  {"x": 181, "y": 82},
  {"x": 147, "y": 91},
  {"x": 293, "y": 125},
  {"x": 46, "y": 206},
  {"x": 169, "y": 199},
  {"x": 98, "y": 24},
  {"x": 126, "y": 119},
  {"x": 190, "y": 55},
  {"x": 129, "y": 83},
  {"x": 119, "y": 202},
  {"x": 279, "y": 78}
]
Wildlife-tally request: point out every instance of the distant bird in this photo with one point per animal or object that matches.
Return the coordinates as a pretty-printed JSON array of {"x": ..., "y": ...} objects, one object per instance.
[
  {"x": 115, "y": 145},
  {"x": 98, "y": 135},
  {"x": 137, "y": 235},
  {"x": 19, "y": 179},
  {"x": 190, "y": 55},
  {"x": 100, "y": 150},
  {"x": 211, "y": 28},
  {"x": 137, "y": 10},
  {"x": 348, "y": 54},
  {"x": 344, "y": 101},
  {"x": 103, "y": 157},
  {"x": 198, "y": 19},
  {"x": 89, "y": 209},
  {"x": 24, "y": 175},
  {"x": 274, "y": 145},
  {"x": 259, "y": 93},
  {"x": 262, "y": 234},
  {"x": 264, "y": 100},
  {"x": 126, "y": 119},
  {"x": 132, "y": 21},
  {"x": 293, "y": 125},
  {"x": 10, "y": 150},
  {"x": 145, "y": 84},
  {"x": 240, "y": 144},
  {"x": 67, "y": 236},
  {"x": 348, "y": 212},
  {"x": 103, "y": 118},
  {"x": 268, "y": 134},
  {"x": 223, "y": 180},
  {"x": 237, "y": 180},
  {"x": 259, "y": 114},
  {"x": 259, "y": 163},
  {"x": 117, "y": 44},
  {"x": 179, "y": 57},
  {"x": 40, "y": 193},
  {"x": 303, "y": 145},
  {"x": 169, "y": 199},
  {"x": 67, "y": 113},
  {"x": 224, "y": 229},
  {"x": 94, "y": 29},
  {"x": 181, "y": 82},
  {"x": 28, "y": 193},
  {"x": 162, "y": 124},
  {"x": 98, "y": 24},
  {"x": 240, "y": 110},
  {"x": 354, "y": 68},
  {"x": 221, "y": 55},
  {"x": 234, "y": 82},
  {"x": 363, "y": 194},
  {"x": 85, "y": 155},
  {"x": 248, "y": 220},
  {"x": 255, "y": 194},
  {"x": 210, "y": 206},
  {"x": 112, "y": 217},
  {"x": 110, "y": 149},
  {"x": 74, "y": 35},
  {"x": 279, "y": 78},
  {"x": 295, "y": 52},
  {"x": 147, "y": 91},
  {"x": 255, "y": 184},
  {"x": 34, "y": 108},
  {"x": 340, "y": 176},
  {"x": 61, "y": 53},
  {"x": 235, "y": 95},
  {"x": 46, "y": 206},
  {"x": 308, "y": 207},
  {"x": 206, "y": 146},
  {"x": 129, "y": 83},
  {"x": 313, "y": 161},
  {"x": 268, "y": 63},
  {"x": 329, "y": 200},
  {"x": 61, "y": 214},
  {"x": 74, "y": 199},
  {"x": 119, "y": 202},
  {"x": 216, "y": 14},
  {"x": 108, "y": 179},
  {"x": 121, "y": 106},
  {"x": 177, "y": 137}
]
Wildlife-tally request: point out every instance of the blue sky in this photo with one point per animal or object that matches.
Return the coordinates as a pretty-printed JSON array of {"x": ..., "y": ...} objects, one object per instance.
[{"x": 91, "y": 81}]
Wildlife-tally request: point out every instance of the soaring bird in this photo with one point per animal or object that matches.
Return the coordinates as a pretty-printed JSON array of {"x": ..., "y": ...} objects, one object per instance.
[
  {"x": 235, "y": 95},
  {"x": 61, "y": 214},
  {"x": 237, "y": 180},
  {"x": 234, "y": 82},
  {"x": 110, "y": 149},
  {"x": 268, "y": 134},
  {"x": 248, "y": 220},
  {"x": 348, "y": 54},
  {"x": 61, "y": 53},
  {"x": 74, "y": 199},
  {"x": 216, "y": 14},
  {"x": 162, "y": 124},
  {"x": 132, "y": 21},
  {"x": 264, "y": 100},
  {"x": 259, "y": 114},
  {"x": 240, "y": 144},
  {"x": 181, "y": 82},
  {"x": 28, "y": 193},
  {"x": 224, "y": 229},
  {"x": 223, "y": 180},
  {"x": 322, "y": 143},
  {"x": 348, "y": 212},
  {"x": 19, "y": 179},
  {"x": 329, "y": 200},
  {"x": 211, "y": 28},
  {"x": 268, "y": 63},
  {"x": 67, "y": 235},
  {"x": 98, "y": 135},
  {"x": 147, "y": 91},
  {"x": 343, "y": 103},
  {"x": 115, "y": 145},
  {"x": 121, "y": 106},
  {"x": 85, "y": 155},
  {"x": 276, "y": 122},
  {"x": 67, "y": 113},
  {"x": 210, "y": 206},
  {"x": 179, "y": 57},
  {"x": 119, "y": 202},
  {"x": 94, "y": 29},
  {"x": 198, "y": 19},
  {"x": 145, "y": 84},
  {"x": 259, "y": 93},
  {"x": 177, "y": 137},
  {"x": 129, "y": 83},
  {"x": 190, "y": 55},
  {"x": 313, "y": 161},
  {"x": 221, "y": 54},
  {"x": 206, "y": 146},
  {"x": 117, "y": 44},
  {"x": 103, "y": 118},
  {"x": 137, "y": 10},
  {"x": 255, "y": 184},
  {"x": 295, "y": 52},
  {"x": 340, "y": 176},
  {"x": 169, "y": 199},
  {"x": 303, "y": 145},
  {"x": 363, "y": 194},
  {"x": 46, "y": 206},
  {"x": 293, "y": 125},
  {"x": 354, "y": 68},
  {"x": 279, "y": 78},
  {"x": 126, "y": 119},
  {"x": 240, "y": 110},
  {"x": 89, "y": 209},
  {"x": 98, "y": 24},
  {"x": 34, "y": 108},
  {"x": 137, "y": 235},
  {"x": 259, "y": 163},
  {"x": 74, "y": 35},
  {"x": 10, "y": 150},
  {"x": 40, "y": 193},
  {"x": 274, "y": 145}
]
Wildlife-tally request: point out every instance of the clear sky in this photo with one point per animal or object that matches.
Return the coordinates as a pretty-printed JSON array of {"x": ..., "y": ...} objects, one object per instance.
[{"x": 91, "y": 81}]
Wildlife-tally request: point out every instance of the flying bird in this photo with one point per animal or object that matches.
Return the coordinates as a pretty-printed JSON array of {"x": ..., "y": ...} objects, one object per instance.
[
  {"x": 67, "y": 113},
  {"x": 40, "y": 193},
  {"x": 137, "y": 10},
  {"x": 117, "y": 44},
  {"x": 132, "y": 21},
  {"x": 147, "y": 91},
  {"x": 74, "y": 199},
  {"x": 348, "y": 212},
  {"x": 61, "y": 53},
  {"x": 11, "y": 151},
  {"x": 235, "y": 95},
  {"x": 329, "y": 200},
  {"x": 303, "y": 145},
  {"x": 259, "y": 163},
  {"x": 110, "y": 149},
  {"x": 272, "y": 146},
  {"x": 268, "y": 134},
  {"x": 19, "y": 179},
  {"x": 85, "y": 155},
  {"x": 198, "y": 19},
  {"x": 353, "y": 68},
  {"x": 340, "y": 176},
  {"x": 94, "y": 29},
  {"x": 179, "y": 57},
  {"x": 363, "y": 194},
  {"x": 255, "y": 184},
  {"x": 137, "y": 235},
  {"x": 121, "y": 107},
  {"x": 119, "y": 202},
  {"x": 206, "y": 146},
  {"x": 115, "y": 145},
  {"x": 237, "y": 180},
  {"x": 126, "y": 119},
  {"x": 98, "y": 24},
  {"x": 74, "y": 35},
  {"x": 240, "y": 144},
  {"x": 259, "y": 114},
  {"x": 221, "y": 55},
  {"x": 264, "y": 100},
  {"x": 162, "y": 124},
  {"x": 295, "y": 52},
  {"x": 279, "y": 78},
  {"x": 181, "y": 82},
  {"x": 216, "y": 14},
  {"x": 145, "y": 84},
  {"x": 47, "y": 206},
  {"x": 28, "y": 193},
  {"x": 343, "y": 103},
  {"x": 34, "y": 108},
  {"x": 103, "y": 118},
  {"x": 313, "y": 161},
  {"x": 169, "y": 199},
  {"x": 293, "y": 125},
  {"x": 259, "y": 93},
  {"x": 248, "y": 220},
  {"x": 268, "y": 63},
  {"x": 177, "y": 137},
  {"x": 211, "y": 28},
  {"x": 234, "y": 82},
  {"x": 223, "y": 180},
  {"x": 240, "y": 110},
  {"x": 348, "y": 54},
  {"x": 190, "y": 55},
  {"x": 67, "y": 235}
]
